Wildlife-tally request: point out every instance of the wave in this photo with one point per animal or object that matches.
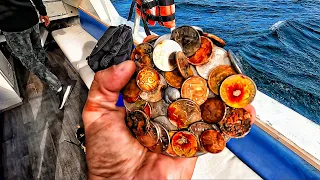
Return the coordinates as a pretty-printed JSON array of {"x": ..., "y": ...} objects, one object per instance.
[
  {"x": 285, "y": 63},
  {"x": 277, "y": 25}
]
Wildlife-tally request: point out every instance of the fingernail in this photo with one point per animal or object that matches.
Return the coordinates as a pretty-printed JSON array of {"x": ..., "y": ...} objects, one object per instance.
[{"x": 122, "y": 66}]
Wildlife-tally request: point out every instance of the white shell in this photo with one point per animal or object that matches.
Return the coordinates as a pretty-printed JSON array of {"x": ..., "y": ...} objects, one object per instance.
[
  {"x": 197, "y": 28},
  {"x": 171, "y": 94},
  {"x": 159, "y": 108},
  {"x": 220, "y": 57},
  {"x": 162, "y": 38},
  {"x": 162, "y": 54}
]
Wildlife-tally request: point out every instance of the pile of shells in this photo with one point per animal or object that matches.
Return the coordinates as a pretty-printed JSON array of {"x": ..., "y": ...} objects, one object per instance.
[{"x": 186, "y": 97}]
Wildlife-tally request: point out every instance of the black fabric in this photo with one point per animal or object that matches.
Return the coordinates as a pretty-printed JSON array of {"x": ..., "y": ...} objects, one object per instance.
[
  {"x": 159, "y": 14},
  {"x": 40, "y": 7},
  {"x": 148, "y": 5},
  {"x": 133, "y": 3},
  {"x": 146, "y": 28},
  {"x": 113, "y": 48},
  {"x": 19, "y": 15},
  {"x": 145, "y": 25},
  {"x": 151, "y": 4},
  {"x": 161, "y": 18},
  {"x": 165, "y": 2}
]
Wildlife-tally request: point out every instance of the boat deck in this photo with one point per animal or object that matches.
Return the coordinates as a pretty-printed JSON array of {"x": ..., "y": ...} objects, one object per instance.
[{"x": 37, "y": 138}]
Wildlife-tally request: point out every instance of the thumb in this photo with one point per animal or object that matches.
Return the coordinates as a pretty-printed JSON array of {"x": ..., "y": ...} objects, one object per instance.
[{"x": 104, "y": 91}]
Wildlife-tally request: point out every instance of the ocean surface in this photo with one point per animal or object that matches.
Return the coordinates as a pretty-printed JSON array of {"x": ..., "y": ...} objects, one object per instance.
[{"x": 278, "y": 42}]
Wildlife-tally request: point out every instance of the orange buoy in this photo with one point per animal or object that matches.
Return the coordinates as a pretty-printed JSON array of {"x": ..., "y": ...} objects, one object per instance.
[{"x": 161, "y": 11}]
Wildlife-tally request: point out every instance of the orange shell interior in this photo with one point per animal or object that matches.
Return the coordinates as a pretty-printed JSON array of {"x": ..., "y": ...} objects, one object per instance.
[
  {"x": 202, "y": 56},
  {"x": 238, "y": 91}
]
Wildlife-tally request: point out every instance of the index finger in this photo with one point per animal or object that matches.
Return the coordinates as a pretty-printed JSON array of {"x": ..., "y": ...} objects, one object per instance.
[{"x": 250, "y": 109}]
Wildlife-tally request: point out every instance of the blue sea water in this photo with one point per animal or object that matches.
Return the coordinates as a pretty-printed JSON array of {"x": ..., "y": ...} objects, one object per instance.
[{"x": 278, "y": 42}]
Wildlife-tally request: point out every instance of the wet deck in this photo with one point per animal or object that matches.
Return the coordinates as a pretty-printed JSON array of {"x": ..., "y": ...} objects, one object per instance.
[{"x": 36, "y": 136}]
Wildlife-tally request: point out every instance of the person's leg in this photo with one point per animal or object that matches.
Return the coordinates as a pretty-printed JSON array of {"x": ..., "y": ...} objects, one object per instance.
[
  {"x": 36, "y": 44},
  {"x": 21, "y": 46}
]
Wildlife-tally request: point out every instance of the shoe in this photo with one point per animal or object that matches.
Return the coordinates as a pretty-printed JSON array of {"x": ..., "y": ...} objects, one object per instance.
[{"x": 64, "y": 94}]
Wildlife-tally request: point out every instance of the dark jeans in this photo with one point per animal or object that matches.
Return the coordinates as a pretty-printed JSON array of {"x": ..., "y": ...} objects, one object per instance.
[{"x": 26, "y": 46}]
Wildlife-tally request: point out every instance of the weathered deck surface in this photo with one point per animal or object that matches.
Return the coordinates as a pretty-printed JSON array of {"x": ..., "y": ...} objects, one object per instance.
[{"x": 35, "y": 137}]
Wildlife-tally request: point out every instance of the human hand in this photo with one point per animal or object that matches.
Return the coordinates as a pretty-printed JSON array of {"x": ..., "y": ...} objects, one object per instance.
[
  {"x": 45, "y": 19},
  {"x": 112, "y": 152},
  {"x": 250, "y": 109}
]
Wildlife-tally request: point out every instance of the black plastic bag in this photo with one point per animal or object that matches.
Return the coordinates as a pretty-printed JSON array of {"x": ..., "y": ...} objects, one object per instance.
[{"x": 114, "y": 47}]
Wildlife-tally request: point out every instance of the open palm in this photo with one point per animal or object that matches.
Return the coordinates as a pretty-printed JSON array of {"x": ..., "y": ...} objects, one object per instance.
[{"x": 112, "y": 152}]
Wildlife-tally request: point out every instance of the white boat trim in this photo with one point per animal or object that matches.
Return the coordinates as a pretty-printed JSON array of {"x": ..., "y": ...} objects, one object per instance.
[
  {"x": 289, "y": 144},
  {"x": 298, "y": 133}
]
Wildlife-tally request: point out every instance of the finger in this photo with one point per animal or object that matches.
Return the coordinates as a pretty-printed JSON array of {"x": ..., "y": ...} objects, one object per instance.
[
  {"x": 104, "y": 91},
  {"x": 252, "y": 111},
  {"x": 112, "y": 80}
]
